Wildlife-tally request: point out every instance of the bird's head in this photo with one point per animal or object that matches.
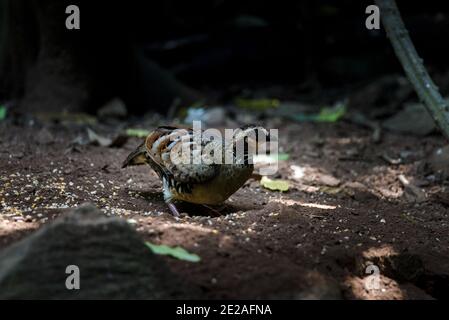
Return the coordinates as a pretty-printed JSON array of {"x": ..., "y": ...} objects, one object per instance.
[{"x": 137, "y": 157}]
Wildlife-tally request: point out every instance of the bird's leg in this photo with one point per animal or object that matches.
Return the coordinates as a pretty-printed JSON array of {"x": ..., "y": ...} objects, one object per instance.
[
  {"x": 216, "y": 213},
  {"x": 173, "y": 209}
]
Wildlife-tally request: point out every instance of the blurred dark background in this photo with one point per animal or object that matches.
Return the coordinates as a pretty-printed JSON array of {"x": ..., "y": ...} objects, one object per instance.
[{"x": 152, "y": 53}]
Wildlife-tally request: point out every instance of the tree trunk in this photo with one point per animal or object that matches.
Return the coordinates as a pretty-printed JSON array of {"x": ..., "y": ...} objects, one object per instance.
[{"x": 49, "y": 68}]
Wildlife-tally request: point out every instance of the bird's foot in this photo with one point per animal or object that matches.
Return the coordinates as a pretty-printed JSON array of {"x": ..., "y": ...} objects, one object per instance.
[{"x": 173, "y": 209}]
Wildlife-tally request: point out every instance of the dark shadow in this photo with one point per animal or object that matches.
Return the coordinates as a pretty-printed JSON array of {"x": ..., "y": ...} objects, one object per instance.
[{"x": 192, "y": 209}]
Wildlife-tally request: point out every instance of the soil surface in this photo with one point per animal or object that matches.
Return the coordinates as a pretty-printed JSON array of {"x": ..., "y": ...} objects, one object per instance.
[{"x": 346, "y": 209}]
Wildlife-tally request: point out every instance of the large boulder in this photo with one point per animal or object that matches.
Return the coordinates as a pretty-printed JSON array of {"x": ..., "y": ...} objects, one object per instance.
[{"x": 113, "y": 262}]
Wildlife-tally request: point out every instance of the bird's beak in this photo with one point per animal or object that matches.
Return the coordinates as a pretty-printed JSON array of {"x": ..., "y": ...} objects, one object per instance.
[{"x": 137, "y": 157}]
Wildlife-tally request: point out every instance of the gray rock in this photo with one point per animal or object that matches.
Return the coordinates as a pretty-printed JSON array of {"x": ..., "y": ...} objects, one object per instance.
[
  {"x": 115, "y": 108},
  {"x": 414, "y": 119},
  {"x": 214, "y": 116},
  {"x": 114, "y": 262},
  {"x": 211, "y": 116},
  {"x": 438, "y": 161},
  {"x": 44, "y": 136}
]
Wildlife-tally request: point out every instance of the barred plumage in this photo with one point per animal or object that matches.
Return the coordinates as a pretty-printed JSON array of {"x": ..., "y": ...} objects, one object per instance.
[{"x": 191, "y": 175}]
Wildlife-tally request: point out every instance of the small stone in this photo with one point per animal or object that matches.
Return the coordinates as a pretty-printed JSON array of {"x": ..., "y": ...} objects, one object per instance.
[
  {"x": 328, "y": 180},
  {"x": 43, "y": 137},
  {"x": 115, "y": 108},
  {"x": 413, "y": 119}
]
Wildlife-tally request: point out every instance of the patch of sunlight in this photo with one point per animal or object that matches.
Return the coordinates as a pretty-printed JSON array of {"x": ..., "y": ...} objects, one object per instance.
[
  {"x": 298, "y": 172},
  {"x": 263, "y": 159},
  {"x": 370, "y": 283},
  {"x": 10, "y": 227},
  {"x": 190, "y": 227},
  {"x": 383, "y": 251},
  {"x": 374, "y": 287},
  {"x": 291, "y": 202},
  {"x": 318, "y": 206}
]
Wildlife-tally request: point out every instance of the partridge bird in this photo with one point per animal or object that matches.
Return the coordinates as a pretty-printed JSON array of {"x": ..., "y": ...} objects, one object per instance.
[{"x": 207, "y": 176}]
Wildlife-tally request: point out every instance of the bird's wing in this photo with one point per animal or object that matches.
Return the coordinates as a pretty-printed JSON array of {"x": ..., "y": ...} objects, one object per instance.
[{"x": 177, "y": 155}]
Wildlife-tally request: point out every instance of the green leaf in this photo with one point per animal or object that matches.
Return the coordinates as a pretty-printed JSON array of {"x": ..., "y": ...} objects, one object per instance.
[
  {"x": 257, "y": 104},
  {"x": 139, "y": 133},
  {"x": 275, "y": 185},
  {"x": 283, "y": 156},
  {"x": 331, "y": 114},
  {"x": 331, "y": 190},
  {"x": 176, "y": 252},
  {"x": 327, "y": 114},
  {"x": 2, "y": 112}
]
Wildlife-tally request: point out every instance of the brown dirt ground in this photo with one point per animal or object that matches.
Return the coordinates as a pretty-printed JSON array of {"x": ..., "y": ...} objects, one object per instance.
[{"x": 313, "y": 241}]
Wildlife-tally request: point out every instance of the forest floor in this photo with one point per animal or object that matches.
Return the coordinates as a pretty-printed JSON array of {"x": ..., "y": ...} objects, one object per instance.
[{"x": 348, "y": 209}]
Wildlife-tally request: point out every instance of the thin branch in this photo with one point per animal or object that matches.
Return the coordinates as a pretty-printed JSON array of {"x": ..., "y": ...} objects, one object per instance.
[{"x": 413, "y": 64}]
